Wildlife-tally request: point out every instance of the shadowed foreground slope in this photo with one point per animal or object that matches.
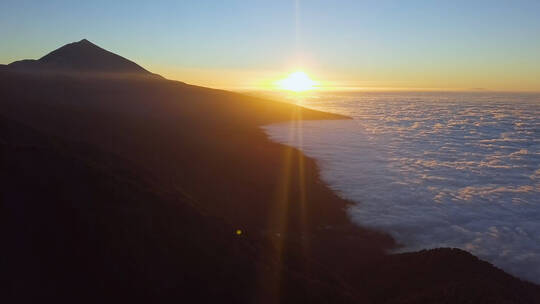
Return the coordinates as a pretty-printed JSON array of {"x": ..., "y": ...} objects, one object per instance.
[
  {"x": 133, "y": 188},
  {"x": 81, "y": 226}
]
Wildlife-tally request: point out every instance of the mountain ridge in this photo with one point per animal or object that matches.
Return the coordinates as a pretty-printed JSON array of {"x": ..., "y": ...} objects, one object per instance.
[
  {"x": 147, "y": 183},
  {"x": 84, "y": 57}
]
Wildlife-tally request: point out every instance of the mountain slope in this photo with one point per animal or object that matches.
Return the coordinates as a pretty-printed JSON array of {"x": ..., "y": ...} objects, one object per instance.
[
  {"x": 81, "y": 56},
  {"x": 152, "y": 170},
  {"x": 82, "y": 226}
]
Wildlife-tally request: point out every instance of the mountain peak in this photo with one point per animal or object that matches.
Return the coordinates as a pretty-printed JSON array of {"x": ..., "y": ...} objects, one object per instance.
[
  {"x": 83, "y": 42},
  {"x": 82, "y": 56}
]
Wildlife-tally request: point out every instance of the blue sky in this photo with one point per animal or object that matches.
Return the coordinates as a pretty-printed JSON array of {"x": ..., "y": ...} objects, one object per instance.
[{"x": 432, "y": 44}]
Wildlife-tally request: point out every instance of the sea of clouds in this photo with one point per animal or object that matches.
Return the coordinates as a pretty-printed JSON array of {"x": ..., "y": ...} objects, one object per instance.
[{"x": 435, "y": 169}]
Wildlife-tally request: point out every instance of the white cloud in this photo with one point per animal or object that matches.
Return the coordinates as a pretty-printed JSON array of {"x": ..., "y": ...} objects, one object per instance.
[{"x": 437, "y": 170}]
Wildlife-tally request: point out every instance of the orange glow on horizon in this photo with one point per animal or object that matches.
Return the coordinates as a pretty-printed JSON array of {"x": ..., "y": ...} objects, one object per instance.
[{"x": 265, "y": 80}]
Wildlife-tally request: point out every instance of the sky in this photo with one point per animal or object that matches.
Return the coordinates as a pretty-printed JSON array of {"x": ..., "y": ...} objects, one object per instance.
[{"x": 450, "y": 45}]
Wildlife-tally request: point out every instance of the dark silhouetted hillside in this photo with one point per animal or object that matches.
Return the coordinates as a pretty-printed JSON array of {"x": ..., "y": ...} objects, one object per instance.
[
  {"x": 80, "y": 226},
  {"x": 132, "y": 189}
]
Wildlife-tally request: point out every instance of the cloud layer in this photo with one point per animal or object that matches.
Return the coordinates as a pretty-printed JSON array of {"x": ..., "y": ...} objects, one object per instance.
[{"x": 457, "y": 170}]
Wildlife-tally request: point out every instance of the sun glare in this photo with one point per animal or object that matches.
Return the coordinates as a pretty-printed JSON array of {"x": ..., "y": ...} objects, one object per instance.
[{"x": 297, "y": 82}]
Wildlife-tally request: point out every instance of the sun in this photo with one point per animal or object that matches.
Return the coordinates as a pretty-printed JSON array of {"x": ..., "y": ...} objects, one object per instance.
[{"x": 297, "y": 82}]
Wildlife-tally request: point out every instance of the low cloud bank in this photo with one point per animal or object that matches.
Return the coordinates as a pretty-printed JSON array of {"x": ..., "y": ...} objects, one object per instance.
[{"x": 434, "y": 170}]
